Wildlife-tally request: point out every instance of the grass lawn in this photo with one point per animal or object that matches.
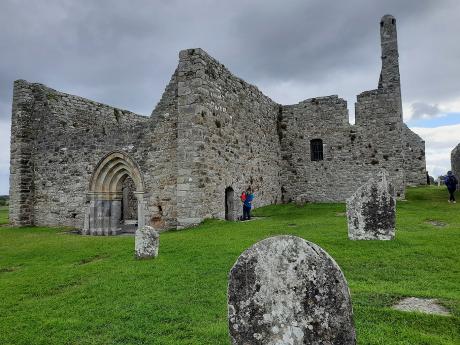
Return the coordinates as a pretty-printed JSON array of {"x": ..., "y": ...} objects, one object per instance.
[
  {"x": 3, "y": 215},
  {"x": 58, "y": 288}
]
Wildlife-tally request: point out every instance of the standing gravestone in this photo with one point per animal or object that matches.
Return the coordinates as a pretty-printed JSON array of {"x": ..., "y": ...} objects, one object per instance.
[
  {"x": 147, "y": 241},
  {"x": 371, "y": 210},
  {"x": 285, "y": 290}
]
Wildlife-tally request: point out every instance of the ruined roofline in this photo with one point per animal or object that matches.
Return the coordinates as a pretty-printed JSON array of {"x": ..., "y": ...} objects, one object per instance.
[
  {"x": 206, "y": 56},
  {"x": 49, "y": 91},
  {"x": 389, "y": 81},
  {"x": 317, "y": 100},
  {"x": 410, "y": 130},
  {"x": 186, "y": 53}
]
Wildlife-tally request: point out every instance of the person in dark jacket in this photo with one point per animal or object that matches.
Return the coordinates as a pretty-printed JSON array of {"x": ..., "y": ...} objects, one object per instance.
[
  {"x": 451, "y": 183},
  {"x": 247, "y": 204}
]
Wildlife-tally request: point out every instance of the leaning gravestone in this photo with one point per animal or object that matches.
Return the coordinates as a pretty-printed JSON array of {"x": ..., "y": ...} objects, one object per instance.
[
  {"x": 371, "y": 210},
  {"x": 285, "y": 290},
  {"x": 147, "y": 241}
]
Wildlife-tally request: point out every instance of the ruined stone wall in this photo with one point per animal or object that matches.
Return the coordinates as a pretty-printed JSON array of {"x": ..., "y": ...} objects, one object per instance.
[
  {"x": 351, "y": 155},
  {"x": 379, "y": 117},
  {"x": 455, "y": 162},
  {"x": 210, "y": 131},
  {"x": 21, "y": 164},
  {"x": 67, "y": 137},
  {"x": 414, "y": 158},
  {"x": 332, "y": 178},
  {"x": 227, "y": 138},
  {"x": 161, "y": 160}
]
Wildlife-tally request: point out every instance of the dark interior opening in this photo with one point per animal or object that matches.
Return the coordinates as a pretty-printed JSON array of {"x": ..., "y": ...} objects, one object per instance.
[
  {"x": 229, "y": 206},
  {"x": 129, "y": 206}
]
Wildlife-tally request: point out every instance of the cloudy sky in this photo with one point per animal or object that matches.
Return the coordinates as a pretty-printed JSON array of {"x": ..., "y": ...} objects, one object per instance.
[{"x": 123, "y": 53}]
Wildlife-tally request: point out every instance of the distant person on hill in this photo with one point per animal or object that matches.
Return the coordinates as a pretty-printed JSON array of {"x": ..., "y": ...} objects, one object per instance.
[
  {"x": 247, "y": 203},
  {"x": 451, "y": 183}
]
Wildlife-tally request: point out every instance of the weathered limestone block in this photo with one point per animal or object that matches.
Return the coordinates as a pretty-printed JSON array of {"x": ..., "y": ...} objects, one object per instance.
[
  {"x": 285, "y": 290},
  {"x": 455, "y": 162},
  {"x": 147, "y": 241},
  {"x": 371, "y": 210}
]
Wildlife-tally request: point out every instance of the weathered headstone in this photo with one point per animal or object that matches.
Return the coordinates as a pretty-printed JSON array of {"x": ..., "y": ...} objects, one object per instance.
[
  {"x": 285, "y": 290},
  {"x": 371, "y": 210},
  {"x": 147, "y": 241}
]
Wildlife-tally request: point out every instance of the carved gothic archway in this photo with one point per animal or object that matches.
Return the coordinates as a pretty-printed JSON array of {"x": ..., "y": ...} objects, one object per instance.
[{"x": 105, "y": 212}]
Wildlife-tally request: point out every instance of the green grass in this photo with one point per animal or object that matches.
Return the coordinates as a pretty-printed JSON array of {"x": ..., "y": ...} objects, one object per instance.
[
  {"x": 58, "y": 288},
  {"x": 3, "y": 215}
]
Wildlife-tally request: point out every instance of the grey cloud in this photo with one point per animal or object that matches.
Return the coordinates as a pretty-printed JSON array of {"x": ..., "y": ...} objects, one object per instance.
[
  {"x": 424, "y": 110},
  {"x": 123, "y": 52}
]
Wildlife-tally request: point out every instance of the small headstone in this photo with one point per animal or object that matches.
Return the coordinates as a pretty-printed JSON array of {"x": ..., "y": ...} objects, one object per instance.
[
  {"x": 285, "y": 290},
  {"x": 371, "y": 210},
  {"x": 147, "y": 241}
]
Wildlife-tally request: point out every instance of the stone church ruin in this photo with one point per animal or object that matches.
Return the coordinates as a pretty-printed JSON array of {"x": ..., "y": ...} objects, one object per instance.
[{"x": 80, "y": 163}]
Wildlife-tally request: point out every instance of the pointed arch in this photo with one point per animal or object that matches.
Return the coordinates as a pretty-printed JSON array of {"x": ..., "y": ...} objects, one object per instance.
[
  {"x": 104, "y": 214},
  {"x": 110, "y": 172}
]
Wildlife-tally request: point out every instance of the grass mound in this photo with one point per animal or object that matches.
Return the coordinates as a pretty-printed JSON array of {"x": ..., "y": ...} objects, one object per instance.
[{"x": 66, "y": 289}]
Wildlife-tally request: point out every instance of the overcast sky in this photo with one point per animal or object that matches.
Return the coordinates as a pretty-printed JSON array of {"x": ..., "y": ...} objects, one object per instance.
[{"x": 123, "y": 53}]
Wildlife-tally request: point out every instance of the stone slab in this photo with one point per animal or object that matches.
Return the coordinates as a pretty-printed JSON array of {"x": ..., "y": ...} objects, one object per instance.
[
  {"x": 421, "y": 305},
  {"x": 147, "y": 241},
  {"x": 285, "y": 290},
  {"x": 371, "y": 210}
]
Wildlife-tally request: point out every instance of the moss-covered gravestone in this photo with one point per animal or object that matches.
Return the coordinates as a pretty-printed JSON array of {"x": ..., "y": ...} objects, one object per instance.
[
  {"x": 371, "y": 210},
  {"x": 285, "y": 290},
  {"x": 147, "y": 241}
]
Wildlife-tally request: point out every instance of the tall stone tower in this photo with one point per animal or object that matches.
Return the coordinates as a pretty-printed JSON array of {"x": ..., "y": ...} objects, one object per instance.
[
  {"x": 389, "y": 76},
  {"x": 379, "y": 112}
]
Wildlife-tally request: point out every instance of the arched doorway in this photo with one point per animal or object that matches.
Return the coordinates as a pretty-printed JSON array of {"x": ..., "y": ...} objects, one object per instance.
[
  {"x": 229, "y": 204},
  {"x": 116, "y": 194}
]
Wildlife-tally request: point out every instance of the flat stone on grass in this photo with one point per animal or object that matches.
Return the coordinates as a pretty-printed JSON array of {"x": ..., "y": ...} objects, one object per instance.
[
  {"x": 421, "y": 305},
  {"x": 435, "y": 222}
]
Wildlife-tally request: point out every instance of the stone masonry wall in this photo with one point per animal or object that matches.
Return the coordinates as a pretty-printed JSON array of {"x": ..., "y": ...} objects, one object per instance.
[
  {"x": 351, "y": 153},
  {"x": 227, "y": 138},
  {"x": 379, "y": 117},
  {"x": 21, "y": 164},
  {"x": 414, "y": 158},
  {"x": 333, "y": 178},
  {"x": 210, "y": 131},
  {"x": 455, "y": 162},
  {"x": 69, "y": 135}
]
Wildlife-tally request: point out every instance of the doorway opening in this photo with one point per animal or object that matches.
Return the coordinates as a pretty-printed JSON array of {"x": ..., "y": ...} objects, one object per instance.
[
  {"x": 116, "y": 197},
  {"x": 229, "y": 204},
  {"x": 128, "y": 206}
]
